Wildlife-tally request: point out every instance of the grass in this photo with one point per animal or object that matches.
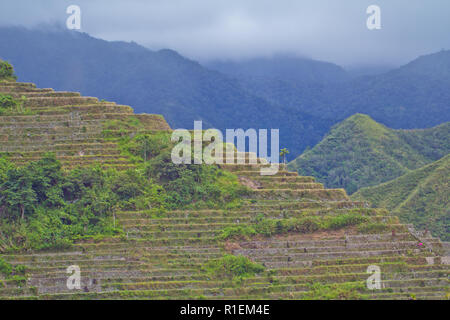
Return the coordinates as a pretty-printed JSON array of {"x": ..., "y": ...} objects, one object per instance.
[{"x": 419, "y": 197}]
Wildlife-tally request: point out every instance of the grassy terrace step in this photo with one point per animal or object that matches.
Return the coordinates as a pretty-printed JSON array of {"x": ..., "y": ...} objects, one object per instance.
[
  {"x": 257, "y": 173},
  {"x": 245, "y": 211},
  {"x": 34, "y": 118},
  {"x": 131, "y": 219},
  {"x": 215, "y": 223},
  {"x": 67, "y": 130},
  {"x": 299, "y": 251},
  {"x": 11, "y": 84},
  {"x": 87, "y": 110},
  {"x": 388, "y": 268},
  {"x": 36, "y": 94},
  {"x": 63, "y": 153},
  {"x": 318, "y": 194},
  {"x": 290, "y": 185},
  {"x": 65, "y": 147},
  {"x": 11, "y": 89},
  {"x": 40, "y": 139},
  {"x": 116, "y": 166},
  {"x": 306, "y": 258},
  {"x": 203, "y": 233},
  {"x": 284, "y": 179},
  {"x": 178, "y": 227},
  {"x": 309, "y": 241},
  {"x": 223, "y": 291},
  {"x": 58, "y": 101},
  {"x": 46, "y": 121},
  {"x": 262, "y": 204},
  {"x": 67, "y": 127},
  {"x": 79, "y": 159}
]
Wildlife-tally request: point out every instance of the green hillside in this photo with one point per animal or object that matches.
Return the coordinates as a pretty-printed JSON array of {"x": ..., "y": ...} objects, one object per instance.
[
  {"x": 420, "y": 197},
  {"x": 90, "y": 185},
  {"x": 360, "y": 152}
]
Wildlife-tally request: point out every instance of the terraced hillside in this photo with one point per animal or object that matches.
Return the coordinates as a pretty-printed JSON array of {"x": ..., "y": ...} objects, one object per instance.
[
  {"x": 307, "y": 241},
  {"x": 68, "y": 124}
]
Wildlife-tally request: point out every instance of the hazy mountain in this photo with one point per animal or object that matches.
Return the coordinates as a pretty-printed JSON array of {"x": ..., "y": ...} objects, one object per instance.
[
  {"x": 420, "y": 197},
  {"x": 415, "y": 95},
  {"x": 284, "y": 68},
  {"x": 360, "y": 152}
]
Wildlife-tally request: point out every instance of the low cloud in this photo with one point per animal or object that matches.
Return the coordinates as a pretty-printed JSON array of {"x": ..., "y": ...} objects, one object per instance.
[{"x": 236, "y": 29}]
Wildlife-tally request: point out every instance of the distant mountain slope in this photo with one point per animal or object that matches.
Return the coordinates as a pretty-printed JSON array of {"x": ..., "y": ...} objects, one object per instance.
[
  {"x": 161, "y": 82},
  {"x": 421, "y": 197},
  {"x": 360, "y": 152},
  {"x": 415, "y": 95},
  {"x": 282, "y": 67}
]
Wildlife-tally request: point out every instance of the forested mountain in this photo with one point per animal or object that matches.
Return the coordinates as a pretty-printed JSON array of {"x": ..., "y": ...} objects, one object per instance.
[
  {"x": 360, "y": 152},
  {"x": 303, "y": 98},
  {"x": 420, "y": 197}
]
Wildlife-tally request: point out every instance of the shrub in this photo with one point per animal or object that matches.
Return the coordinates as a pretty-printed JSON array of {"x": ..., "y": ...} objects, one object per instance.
[
  {"x": 233, "y": 266},
  {"x": 236, "y": 232},
  {"x": 6, "y": 71},
  {"x": 338, "y": 291},
  {"x": 11, "y": 106},
  {"x": 5, "y": 268}
]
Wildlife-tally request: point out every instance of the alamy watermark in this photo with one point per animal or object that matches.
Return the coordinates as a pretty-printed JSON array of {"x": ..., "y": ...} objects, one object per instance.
[
  {"x": 374, "y": 281},
  {"x": 374, "y": 20},
  {"x": 74, "y": 280},
  {"x": 208, "y": 147},
  {"x": 73, "y": 22}
]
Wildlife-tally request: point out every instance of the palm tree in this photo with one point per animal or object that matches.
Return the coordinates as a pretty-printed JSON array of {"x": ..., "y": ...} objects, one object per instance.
[{"x": 283, "y": 153}]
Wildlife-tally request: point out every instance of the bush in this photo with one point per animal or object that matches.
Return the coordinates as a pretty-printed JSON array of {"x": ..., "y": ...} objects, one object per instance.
[
  {"x": 188, "y": 184},
  {"x": 237, "y": 232},
  {"x": 338, "y": 291},
  {"x": 270, "y": 227},
  {"x": 233, "y": 266},
  {"x": 11, "y": 106},
  {"x": 6, "y": 71},
  {"x": 5, "y": 268}
]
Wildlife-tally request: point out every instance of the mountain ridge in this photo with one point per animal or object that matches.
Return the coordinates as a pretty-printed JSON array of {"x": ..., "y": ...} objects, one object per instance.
[
  {"x": 359, "y": 152},
  {"x": 419, "y": 197}
]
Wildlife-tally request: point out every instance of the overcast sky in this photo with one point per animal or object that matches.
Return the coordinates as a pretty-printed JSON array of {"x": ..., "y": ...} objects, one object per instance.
[{"x": 331, "y": 30}]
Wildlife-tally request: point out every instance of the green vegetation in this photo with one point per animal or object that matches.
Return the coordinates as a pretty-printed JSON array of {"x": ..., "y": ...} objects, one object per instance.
[
  {"x": 420, "y": 197},
  {"x": 231, "y": 266},
  {"x": 360, "y": 152},
  {"x": 41, "y": 206},
  {"x": 6, "y": 71},
  {"x": 10, "y": 106},
  {"x": 271, "y": 227},
  {"x": 15, "y": 274},
  {"x": 185, "y": 184},
  {"x": 337, "y": 291}
]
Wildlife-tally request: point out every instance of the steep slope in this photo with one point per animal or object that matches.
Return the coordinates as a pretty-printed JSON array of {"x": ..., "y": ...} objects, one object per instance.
[
  {"x": 360, "y": 152},
  {"x": 420, "y": 197},
  {"x": 290, "y": 238}
]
